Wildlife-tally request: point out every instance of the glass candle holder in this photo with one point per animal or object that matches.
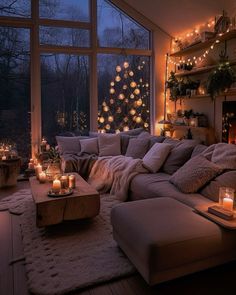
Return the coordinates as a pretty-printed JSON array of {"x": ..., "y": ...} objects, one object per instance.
[{"x": 226, "y": 197}]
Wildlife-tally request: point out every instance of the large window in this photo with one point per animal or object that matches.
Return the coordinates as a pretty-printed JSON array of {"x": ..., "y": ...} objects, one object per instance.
[
  {"x": 65, "y": 96},
  {"x": 15, "y": 88},
  {"x": 59, "y": 60}
]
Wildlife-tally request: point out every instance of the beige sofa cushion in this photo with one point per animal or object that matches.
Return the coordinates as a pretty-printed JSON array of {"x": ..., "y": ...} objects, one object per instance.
[
  {"x": 137, "y": 148},
  {"x": 156, "y": 156},
  {"x": 109, "y": 144},
  {"x": 195, "y": 174},
  {"x": 89, "y": 146}
]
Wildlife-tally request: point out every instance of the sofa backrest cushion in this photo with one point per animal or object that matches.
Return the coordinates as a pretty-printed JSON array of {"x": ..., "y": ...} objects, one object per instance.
[
  {"x": 180, "y": 154},
  {"x": 133, "y": 132},
  {"x": 198, "y": 149},
  {"x": 156, "y": 139},
  {"x": 211, "y": 190},
  {"x": 68, "y": 145},
  {"x": 224, "y": 155},
  {"x": 137, "y": 148},
  {"x": 89, "y": 146},
  {"x": 109, "y": 144},
  {"x": 156, "y": 156},
  {"x": 195, "y": 174}
]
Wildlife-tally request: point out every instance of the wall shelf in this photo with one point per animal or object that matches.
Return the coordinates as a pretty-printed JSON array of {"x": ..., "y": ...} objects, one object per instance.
[
  {"x": 204, "y": 45},
  {"x": 200, "y": 70},
  {"x": 230, "y": 92}
]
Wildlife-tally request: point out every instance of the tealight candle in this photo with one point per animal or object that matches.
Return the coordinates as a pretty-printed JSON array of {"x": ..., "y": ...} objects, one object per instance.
[
  {"x": 42, "y": 177},
  {"x": 72, "y": 181},
  {"x": 4, "y": 158},
  {"x": 228, "y": 203},
  {"x": 56, "y": 186}
]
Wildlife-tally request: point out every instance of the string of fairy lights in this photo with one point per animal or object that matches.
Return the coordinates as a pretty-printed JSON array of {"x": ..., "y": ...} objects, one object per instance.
[{"x": 197, "y": 58}]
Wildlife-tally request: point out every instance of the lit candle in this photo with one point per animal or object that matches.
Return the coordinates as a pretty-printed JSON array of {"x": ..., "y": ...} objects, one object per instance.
[
  {"x": 228, "y": 203},
  {"x": 38, "y": 169},
  {"x": 30, "y": 166},
  {"x": 42, "y": 177},
  {"x": 64, "y": 181},
  {"x": 56, "y": 186},
  {"x": 4, "y": 158},
  {"x": 72, "y": 181},
  {"x": 32, "y": 161}
]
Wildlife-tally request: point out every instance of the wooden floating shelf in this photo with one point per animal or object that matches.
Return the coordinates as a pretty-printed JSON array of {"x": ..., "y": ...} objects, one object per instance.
[
  {"x": 230, "y": 92},
  {"x": 203, "y": 45},
  {"x": 201, "y": 70}
]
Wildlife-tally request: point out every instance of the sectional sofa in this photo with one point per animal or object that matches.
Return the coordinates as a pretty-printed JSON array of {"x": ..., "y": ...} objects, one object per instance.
[{"x": 159, "y": 230}]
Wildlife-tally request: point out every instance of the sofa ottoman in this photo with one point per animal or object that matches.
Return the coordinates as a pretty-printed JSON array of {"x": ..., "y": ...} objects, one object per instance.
[{"x": 165, "y": 239}]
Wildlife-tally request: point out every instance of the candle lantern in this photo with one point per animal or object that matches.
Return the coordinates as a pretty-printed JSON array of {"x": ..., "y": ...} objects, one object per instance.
[
  {"x": 72, "y": 181},
  {"x": 65, "y": 181},
  {"x": 226, "y": 197},
  {"x": 42, "y": 177}
]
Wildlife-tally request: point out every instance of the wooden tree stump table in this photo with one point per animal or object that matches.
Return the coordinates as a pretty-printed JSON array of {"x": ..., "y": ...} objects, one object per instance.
[
  {"x": 9, "y": 171},
  {"x": 83, "y": 203}
]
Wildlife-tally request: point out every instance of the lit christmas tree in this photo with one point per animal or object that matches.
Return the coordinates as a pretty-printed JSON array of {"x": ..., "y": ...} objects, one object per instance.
[{"x": 128, "y": 104}]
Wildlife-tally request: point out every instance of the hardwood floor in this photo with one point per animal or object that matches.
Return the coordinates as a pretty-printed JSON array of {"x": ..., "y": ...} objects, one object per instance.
[{"x": 219, "y": 280}]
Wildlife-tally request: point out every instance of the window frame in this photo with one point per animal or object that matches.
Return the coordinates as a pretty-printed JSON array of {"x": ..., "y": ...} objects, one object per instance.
[{"x": 36, "y": 50}]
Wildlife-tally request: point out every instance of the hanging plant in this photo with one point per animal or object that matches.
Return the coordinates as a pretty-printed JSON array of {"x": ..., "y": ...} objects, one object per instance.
[
  {"x": 220, "y": 79},
  {"x": 173, "y": 84}
]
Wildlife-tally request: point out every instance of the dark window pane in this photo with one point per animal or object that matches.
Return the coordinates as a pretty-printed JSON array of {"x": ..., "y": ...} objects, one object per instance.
[
  {"x": 116, "y": 29},
  {"x": 15, "y": 88},
  {"x": 123, "y": 91},
  {"x": 65, "y": 94},
  {"x": 73, "y": 10},
  {"x": 64, "y": 36},
  {"x": 18, "y": 8}
]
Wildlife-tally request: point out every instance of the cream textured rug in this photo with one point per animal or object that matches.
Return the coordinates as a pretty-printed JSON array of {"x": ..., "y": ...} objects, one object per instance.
[{"x": 69, "y": 256}]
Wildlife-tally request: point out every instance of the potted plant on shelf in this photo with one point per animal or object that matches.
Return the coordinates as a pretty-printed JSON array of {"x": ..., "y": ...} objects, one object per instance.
[{"x": 221, "y": 79}]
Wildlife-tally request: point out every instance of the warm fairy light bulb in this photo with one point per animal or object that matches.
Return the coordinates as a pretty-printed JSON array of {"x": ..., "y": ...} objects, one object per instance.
[
  {"x": 121, "y": 96},
  {"x": 131, "y": 95},
  {"x": 126, "y": 100},
  {"x": 126, "y": 128},
  {"x": 117, "y": 78},
  {"x": 145, "y": 125},
  {"x": 136, "y": 91},
  {"x": 112, "y": 90},
  {"x": 126, "y": 64},
  {"x": 139, "y": 102},
  {"x": 117, "y": 131},
  {"x": 101, "y": 120},
  {"x": 131, "y": 73},
  {"x": 125, "y": 87},
  {"x": 118, "y": 69},
  {"x": 125, "y": 75},
  {"x": 126, "y": 119},
  {"x": 212, "y": 46},
  {"x": 133, "y": 84},
  {"x": 106, "y": 109},
  {"x": 112, "y": 101},
  {"x": 118, "y": 110},
  {"x": 132, "y": 112},
  {"x": 112, "y": 83},
  {"x": 110, "y": 118},
  {"x": 217, "y": 41},
  {"x": 140, "y": 80},
  {"x": 138, "y": 120},
  {"x": 108, "y": 127}
]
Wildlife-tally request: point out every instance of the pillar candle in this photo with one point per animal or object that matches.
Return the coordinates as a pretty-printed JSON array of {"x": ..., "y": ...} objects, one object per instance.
[
  {"x": 64, "y": 181},
  {"x": 38, "y": 169},
  {"x": 72, "y": 181},
  {"x": 42, "y": 177},
  {"x": 228, "y": 203},
  {"x": 56, "y": 186}
]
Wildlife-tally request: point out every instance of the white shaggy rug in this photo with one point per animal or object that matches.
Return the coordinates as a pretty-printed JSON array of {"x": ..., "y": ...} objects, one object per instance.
[{"x": 68, "y": 256}]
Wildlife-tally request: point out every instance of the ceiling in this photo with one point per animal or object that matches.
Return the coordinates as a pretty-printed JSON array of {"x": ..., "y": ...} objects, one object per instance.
[{"x": 178, "y": 16}]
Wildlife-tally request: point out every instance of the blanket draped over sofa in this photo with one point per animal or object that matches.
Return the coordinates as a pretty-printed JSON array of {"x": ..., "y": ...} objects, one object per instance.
[{"x": 114, "y": 173}]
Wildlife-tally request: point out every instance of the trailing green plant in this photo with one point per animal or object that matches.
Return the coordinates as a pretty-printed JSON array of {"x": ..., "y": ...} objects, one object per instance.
[
  {"x": 220, "y": 79},
  {"x": 173, "y": 84}
]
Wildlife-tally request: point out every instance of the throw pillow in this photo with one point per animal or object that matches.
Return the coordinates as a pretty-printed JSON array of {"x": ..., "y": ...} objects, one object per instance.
[
  {"x": 156, "y": 139},
  {"x": 144, "y": 135},
  {"x": 109, "y": 144},
  {"x": 68, "y": 145},
  {"x": 89, "y": 146},
  {"x": 198, "y": 150},
  {"x": 156, "y": 156},
  {"x": 133, "y": 132},
  {"x": 194, "y": 174},
  {"x": 179, "y": 155},
  {"x": 224, "y": 155},
  {"x": 227, "y": 179},
  {"x": 137, "y": 148}
]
